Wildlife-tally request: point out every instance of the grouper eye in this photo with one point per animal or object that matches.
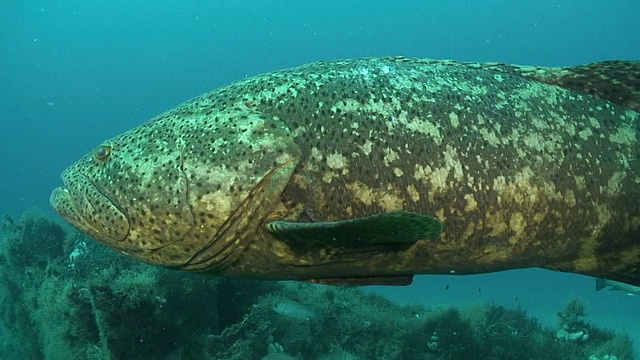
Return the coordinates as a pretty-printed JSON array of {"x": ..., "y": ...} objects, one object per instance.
[{"x": 102, "y": 152}]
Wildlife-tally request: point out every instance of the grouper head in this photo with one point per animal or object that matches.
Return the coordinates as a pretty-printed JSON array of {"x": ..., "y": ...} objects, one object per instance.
[{"x": 185, "y": 190}]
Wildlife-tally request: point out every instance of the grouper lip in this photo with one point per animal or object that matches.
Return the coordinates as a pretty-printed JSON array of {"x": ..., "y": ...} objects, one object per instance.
[
  {"x": 64, "y": 204},
  {"x": 82, "y": 203}
]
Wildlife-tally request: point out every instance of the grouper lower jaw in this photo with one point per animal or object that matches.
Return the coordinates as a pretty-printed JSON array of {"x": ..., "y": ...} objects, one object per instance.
[
  {"x": 62, "y": 202},
  {"x": 102, "y": 221}
]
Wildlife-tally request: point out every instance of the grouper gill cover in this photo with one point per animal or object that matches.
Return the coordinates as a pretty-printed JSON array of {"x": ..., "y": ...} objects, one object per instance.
[{"x": 372, "y": 170}]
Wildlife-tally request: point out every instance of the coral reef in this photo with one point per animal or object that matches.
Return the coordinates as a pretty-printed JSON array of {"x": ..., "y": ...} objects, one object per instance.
[
  {"x": 64, "y": 296},
  {"x": 67, "y": 297},
  {"x": 604, "y": 344},
  {"x": 572, "y": 322}
]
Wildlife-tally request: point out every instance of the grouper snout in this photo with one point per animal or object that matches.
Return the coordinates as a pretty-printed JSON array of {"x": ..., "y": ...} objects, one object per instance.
[
  {"x": 83, "y": 205},
  {"x": 178, "y": 194},
  {"x": 109, "y": 193}
]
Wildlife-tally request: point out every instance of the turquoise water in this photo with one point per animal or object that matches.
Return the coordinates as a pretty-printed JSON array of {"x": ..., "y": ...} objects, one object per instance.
[{"x": 76, "y": 72}]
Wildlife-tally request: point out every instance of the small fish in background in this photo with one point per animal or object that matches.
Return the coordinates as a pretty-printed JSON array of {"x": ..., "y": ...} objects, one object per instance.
[
  {"x": 295, "y": 310},
  {"x": 617, "y": 286}
]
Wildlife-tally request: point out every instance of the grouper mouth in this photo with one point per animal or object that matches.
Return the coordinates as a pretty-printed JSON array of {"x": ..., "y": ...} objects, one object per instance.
[
  {"x": 212, "y": 245},
  {"x": 82, "y": 204}
]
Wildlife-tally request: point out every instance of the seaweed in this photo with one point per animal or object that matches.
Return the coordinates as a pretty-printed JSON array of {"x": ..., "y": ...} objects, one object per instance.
[
  {"x": 509, "y": 333},
  {"x": 97, "y": 304},
  {"x": 444, "y": 334},
  {"x": 572, "y": 317}
]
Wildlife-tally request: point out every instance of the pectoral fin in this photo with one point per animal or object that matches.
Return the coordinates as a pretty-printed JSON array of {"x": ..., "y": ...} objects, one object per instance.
[{"x": 397, "y": 227}]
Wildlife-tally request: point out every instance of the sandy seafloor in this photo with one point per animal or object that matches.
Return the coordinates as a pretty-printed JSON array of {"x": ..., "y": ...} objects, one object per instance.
[{"x": 76, "y": 72}]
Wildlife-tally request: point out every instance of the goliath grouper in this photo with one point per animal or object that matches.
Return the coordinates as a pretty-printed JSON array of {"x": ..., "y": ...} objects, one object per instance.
[{"x": 369, "y": 171}]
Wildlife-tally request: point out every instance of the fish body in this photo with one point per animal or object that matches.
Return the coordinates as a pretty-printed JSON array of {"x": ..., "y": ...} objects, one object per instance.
[
  {"x": 471, "y": 168},
  {"x": 617, "y": 286},
  {"x": 295, "y": 310},
  {"x": 275, "y": 351}
]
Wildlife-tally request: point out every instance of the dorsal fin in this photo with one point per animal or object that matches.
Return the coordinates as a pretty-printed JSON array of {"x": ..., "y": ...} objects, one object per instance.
[
  {"x": 617, "y": 80},
  {"x": 600, "y": 284}
]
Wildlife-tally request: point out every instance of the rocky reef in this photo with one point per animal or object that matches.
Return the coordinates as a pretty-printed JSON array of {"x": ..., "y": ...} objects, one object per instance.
[{"x": 64, "y": 296}]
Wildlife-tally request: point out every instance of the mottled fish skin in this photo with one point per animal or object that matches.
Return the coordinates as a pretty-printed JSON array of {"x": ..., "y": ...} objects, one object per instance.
[
  {"x": 617, "y": 80},
  {"x": 521, "y": 173}
]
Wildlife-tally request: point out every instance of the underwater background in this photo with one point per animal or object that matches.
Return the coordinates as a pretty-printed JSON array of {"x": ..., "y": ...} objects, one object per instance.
[{"x": 73, "y": 73}]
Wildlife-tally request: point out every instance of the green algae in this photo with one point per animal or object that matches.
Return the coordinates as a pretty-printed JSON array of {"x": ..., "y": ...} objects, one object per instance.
[
  {"x": 100, "y": 305},
  {"x": 64, "y": 296}
]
